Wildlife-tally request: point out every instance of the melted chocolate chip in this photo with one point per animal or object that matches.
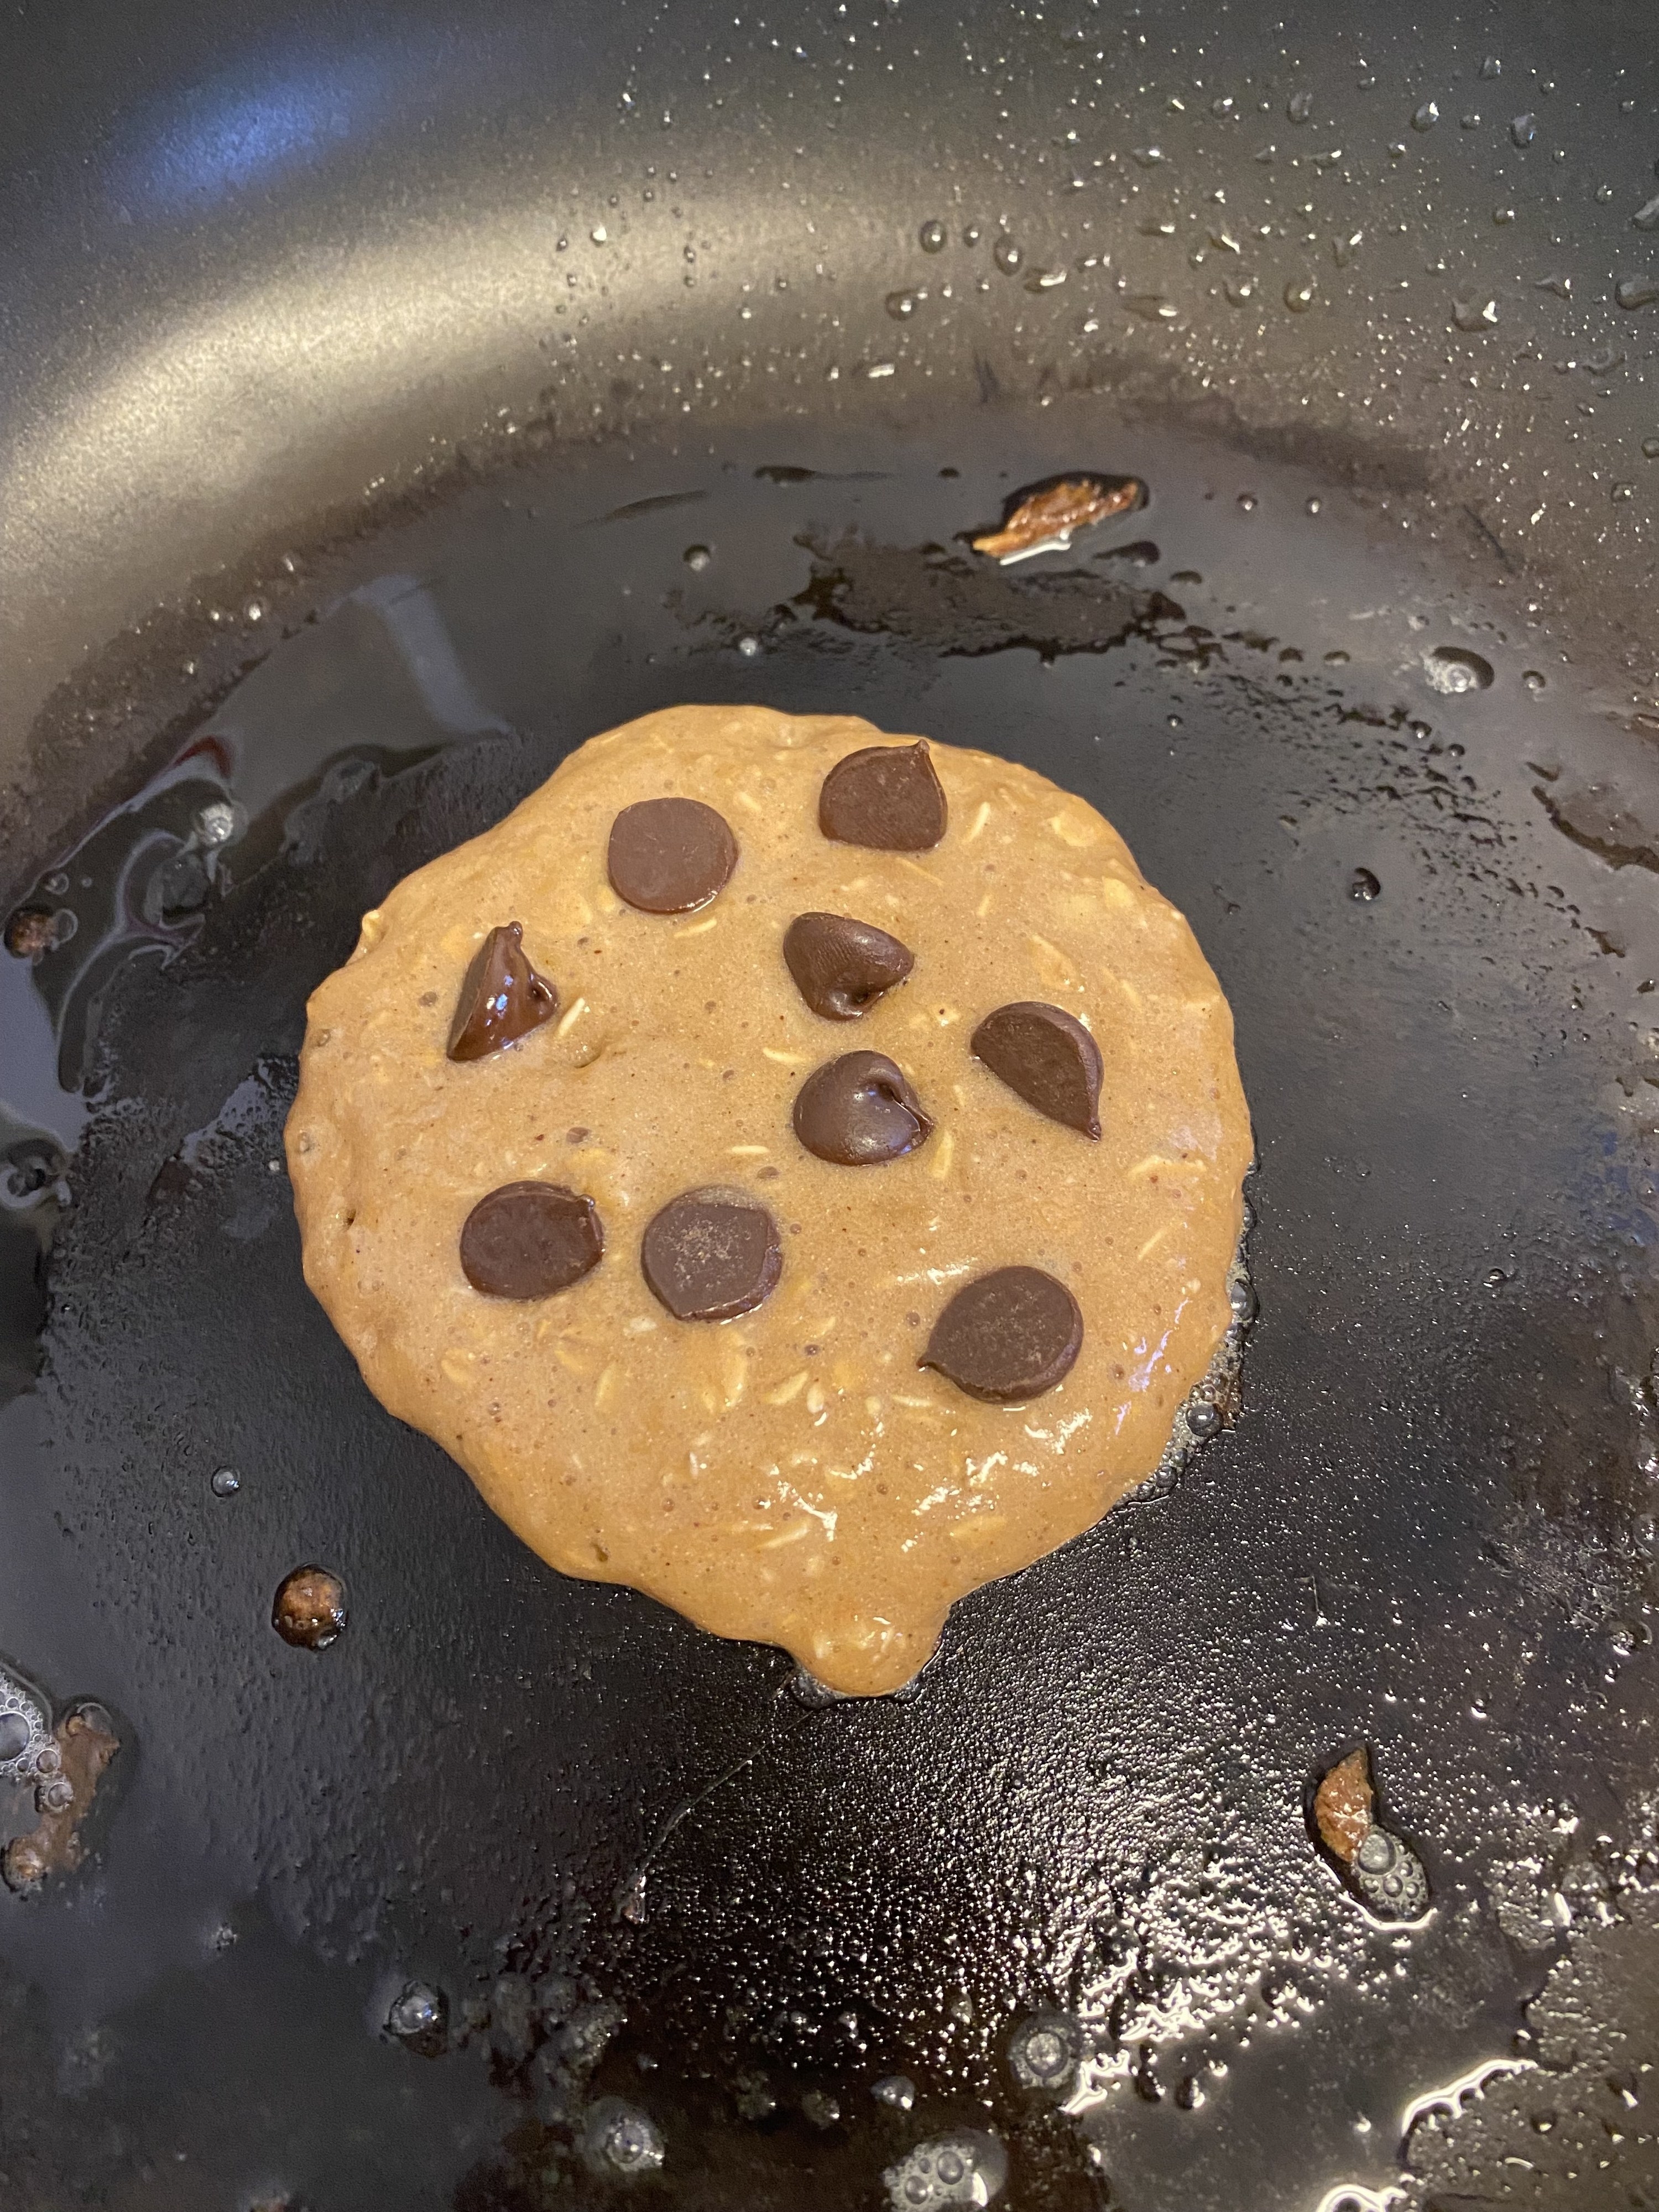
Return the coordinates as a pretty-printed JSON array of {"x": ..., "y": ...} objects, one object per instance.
[
  {"x": 1012, "y": 1333},
  {"x": 503, "y": 998},
  {"x": 668, "y": 856},
  {"x": 1047, "y": 1057},
  {"x": 859, "y": 1110},
  {"x": 527, "y": 1240},
  {"x": 887, "y": 796},
  {"x": 841, "y": 966},
  {"x": 711, "y": 1254}
]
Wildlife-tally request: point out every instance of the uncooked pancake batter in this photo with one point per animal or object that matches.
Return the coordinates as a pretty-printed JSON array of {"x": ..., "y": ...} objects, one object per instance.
[{"x": 794, "y": 1171}]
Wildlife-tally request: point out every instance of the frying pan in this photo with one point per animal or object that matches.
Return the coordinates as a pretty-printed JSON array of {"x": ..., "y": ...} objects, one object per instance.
[{"x": 393, "y": 397}]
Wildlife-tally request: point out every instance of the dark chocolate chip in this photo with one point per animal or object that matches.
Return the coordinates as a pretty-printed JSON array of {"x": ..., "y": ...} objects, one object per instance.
[
  {"x": 842, "y": 966},
  {"x": 859, "y": 1110},
  {"x": 711, "y": 1254},
  {"x": 668, "y": 856},
  {"x": 527, "y": 1240},
  {"x": 503, "y": 998},
  {"x": 885, "y": 795},
  {"x": 1012, "y": 1333},
  {"x": 1047, "y": 1057}
]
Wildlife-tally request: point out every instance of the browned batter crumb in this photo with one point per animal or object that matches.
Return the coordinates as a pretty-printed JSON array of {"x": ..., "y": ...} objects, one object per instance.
[
  {"x": 86, "y": 1744},
  {"x": 1343, "y": 1806},
  {"x": 310, "y": 1608},
  {"x": 32, "y": 931},
  {"x": 1049, "y": 518}
]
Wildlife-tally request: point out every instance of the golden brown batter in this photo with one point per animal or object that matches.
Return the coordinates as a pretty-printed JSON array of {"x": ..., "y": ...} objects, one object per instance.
[{"x": 792, "y": 1474}]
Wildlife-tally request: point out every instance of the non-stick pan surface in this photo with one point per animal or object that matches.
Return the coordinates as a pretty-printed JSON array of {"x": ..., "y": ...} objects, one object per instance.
[{"x": 655, "y": 1893}]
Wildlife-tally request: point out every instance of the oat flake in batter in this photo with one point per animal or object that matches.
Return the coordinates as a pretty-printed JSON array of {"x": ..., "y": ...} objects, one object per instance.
[{"x": 645, "y": 1054}]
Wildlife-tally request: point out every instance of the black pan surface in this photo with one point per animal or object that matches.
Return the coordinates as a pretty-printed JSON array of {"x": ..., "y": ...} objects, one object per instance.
[{"x": 667, "y": 1897}]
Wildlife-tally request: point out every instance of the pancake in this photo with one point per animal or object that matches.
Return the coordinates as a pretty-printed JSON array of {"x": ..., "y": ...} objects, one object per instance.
[{"x": 805, "y": 1200}]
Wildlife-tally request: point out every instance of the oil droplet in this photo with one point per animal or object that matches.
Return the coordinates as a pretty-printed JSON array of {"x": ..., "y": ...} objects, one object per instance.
[
  {"x": 696, "y": 558},
  {"x": 1007, "y": 255},
  {"x": 750, "y": 647},
  {"x": 1313, "y": 506},
  {"x": 1634, "y": 292},
  {"x": 1150, "y": 306},
  {"x": 1299, "y": 295},
  {"x": 1364, "y": 886},
  {"x": 1390, "y": 1876},
  {"x": 1247, "y": 501},
  {"x": 1651, "y": 449},
  {"x": 1647, "y": 218},
  {"x": 1044, "y": 2050},
  {"x": 1523, "y": 128},
  {"x": 310, "y": 1608},
  {"x": 598, "y": 234},
  {"x": 1426, "y": 117},
  {"x": 1532, "y": 681},
  {"x": 1452, "y": 669},
  {"x": 965, "y": 2168},
  {"x": 1469, "y": 122},
  {"x": 25, "y": 1740},
  {"x": 932, "y": 237},
  {"x": 255, "y": 611},
  {"x": 897, "y": 2090},
  {"x": 1239, "y": 290},
  {"x": 1203, "y": 1418},
  {"x": 417, "y": 2013},
  {"x": 219, "y": 821},
  {"x": 621, "y": 2138},
  {"x": 224, "y": 1482},
  {"x": 1475, "y": 314},
  {"x": 1336, "y": 659},
  {"x": 900, "y": 305},
  {"x": 1299, "y": 106},
  {"x": 1491, "y": 66},
  {"x": 1621, "y": 492}
]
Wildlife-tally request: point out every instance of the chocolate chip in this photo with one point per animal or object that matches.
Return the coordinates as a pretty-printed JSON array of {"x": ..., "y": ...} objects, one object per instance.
[
  {"x": 841, "y": 967},
  {"x": 503, "y": 998},
  {"x": 885, "y": 795},
  {"x": 711, "y": 1254},
  {"x": 527, "y": 1240},
  {"x": 668, "y": 856},
  {"x": 1047, "y": 1057},
  {"x": 859, "y": 1110},
  {"x": 1012, "y": 1333}
]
